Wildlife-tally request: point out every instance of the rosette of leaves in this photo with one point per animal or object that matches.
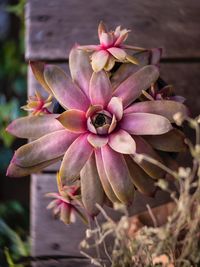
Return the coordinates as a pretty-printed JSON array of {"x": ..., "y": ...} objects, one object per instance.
[{"x": 106, "y": 121}]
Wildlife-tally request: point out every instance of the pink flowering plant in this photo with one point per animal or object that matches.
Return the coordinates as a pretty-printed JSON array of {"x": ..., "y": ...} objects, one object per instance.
[
  {"x": 36, "y": 105},
  {"x": 109, "y": 116},
  {"x": 111, "y": 49},
  {"x": 66, "y": 203}
]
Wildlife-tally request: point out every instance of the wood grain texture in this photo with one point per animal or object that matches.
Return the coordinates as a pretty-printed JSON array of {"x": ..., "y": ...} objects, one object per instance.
[
  {"x": 51, "y": 237},
  {"x": 54, "y": 26},
  {"x": 63, "y": 263},
  {"x": 186, "y": 80}
]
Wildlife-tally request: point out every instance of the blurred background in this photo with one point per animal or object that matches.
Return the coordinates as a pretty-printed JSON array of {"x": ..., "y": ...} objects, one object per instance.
[{"x": 14, "y": 193}]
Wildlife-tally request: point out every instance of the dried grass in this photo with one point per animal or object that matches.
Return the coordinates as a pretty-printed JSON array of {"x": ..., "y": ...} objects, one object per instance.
[{"x": 176, "y": 243}]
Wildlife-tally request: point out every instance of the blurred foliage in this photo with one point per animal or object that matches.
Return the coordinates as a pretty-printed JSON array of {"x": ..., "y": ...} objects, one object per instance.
[
  {"x": 17, "y": 9},
  {"x": 12, "y": 78},
  {"x": 8, "y": 112},
  {"x": 14, "y": 224},
  {"x": 10, "y": 260},
  {"x": 13, "y": 242}
]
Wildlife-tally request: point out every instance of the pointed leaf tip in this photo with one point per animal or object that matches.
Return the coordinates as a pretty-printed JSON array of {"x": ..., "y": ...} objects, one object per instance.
[{"x": 37, "y": 68}]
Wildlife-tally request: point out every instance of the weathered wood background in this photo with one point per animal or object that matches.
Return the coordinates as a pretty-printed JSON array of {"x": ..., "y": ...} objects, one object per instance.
[{"x": 52, "y": 27}]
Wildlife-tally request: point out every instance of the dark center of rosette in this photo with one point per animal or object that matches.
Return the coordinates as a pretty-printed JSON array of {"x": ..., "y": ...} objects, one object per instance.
[
  {"x": 100, "y": 119},
  {"x": 101, "y": 122}
]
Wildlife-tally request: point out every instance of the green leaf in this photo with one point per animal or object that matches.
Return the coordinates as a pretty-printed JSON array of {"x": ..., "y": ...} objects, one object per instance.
[
  {"x": 17, "y": 9},
  {"x": 11, "y": 209},
  {"x": 18, "y": 246},
  {"x": 9, "y": 111},
  {"x": 9, "y": 259},
  {"x": 6, "y": 137}
]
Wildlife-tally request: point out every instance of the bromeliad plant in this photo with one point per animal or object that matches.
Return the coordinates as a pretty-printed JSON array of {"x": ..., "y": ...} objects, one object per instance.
[{"x": 107, "y": 120}]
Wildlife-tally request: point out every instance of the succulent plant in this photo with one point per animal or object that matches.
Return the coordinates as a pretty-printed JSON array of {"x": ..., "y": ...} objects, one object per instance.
[{"x": 107, "y": 120}]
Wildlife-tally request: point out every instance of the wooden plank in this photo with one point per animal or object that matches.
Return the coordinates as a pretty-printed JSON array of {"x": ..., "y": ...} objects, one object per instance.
[
  {"x": 54, "y": 26},
  {"x": 186, "y": 80},
  {"x": 49, "y": 236},
  {"x": 63, "y": 263},
  {"x": 52, "y": 237}
]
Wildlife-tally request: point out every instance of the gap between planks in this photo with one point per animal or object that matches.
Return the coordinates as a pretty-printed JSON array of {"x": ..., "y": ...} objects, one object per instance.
[{"x": 174, "y": 60}]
